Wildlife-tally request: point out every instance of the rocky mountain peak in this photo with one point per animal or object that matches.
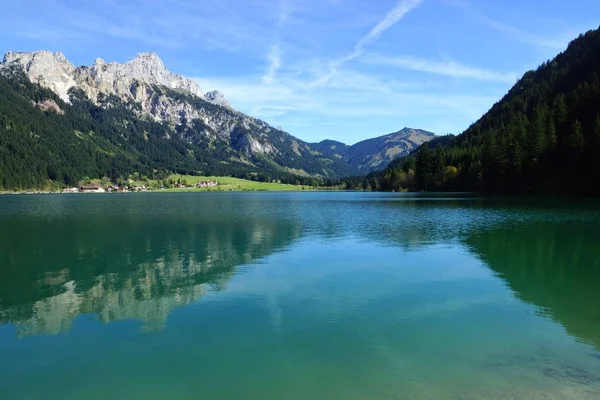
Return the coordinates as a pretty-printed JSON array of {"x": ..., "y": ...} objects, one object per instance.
[
  {"x": 148, "y": 58},
  {"x": 51, "y": 70},
  {"x": 37, "y": 56},
  {"x": 149, "y": 66},
  {"x": 217, "y": 97},
  {"x": 130, "y": 80}
]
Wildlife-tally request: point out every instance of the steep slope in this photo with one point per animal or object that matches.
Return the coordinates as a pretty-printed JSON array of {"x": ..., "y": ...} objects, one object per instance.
[
  {"x": 543, "y": 136},
  {"x": 43, "y": 138},
  {"x": 134, "y": 106},
  {"x": 376, "y": 153}
]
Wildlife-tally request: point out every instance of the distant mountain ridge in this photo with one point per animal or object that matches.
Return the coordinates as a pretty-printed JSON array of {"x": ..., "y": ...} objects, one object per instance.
[
  {"x": 376, "y": 153},
  {"x": 140, "y": 117}
]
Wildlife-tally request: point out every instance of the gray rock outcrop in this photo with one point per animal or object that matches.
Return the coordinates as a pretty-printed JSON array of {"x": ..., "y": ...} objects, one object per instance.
[{"x": 127, "y": 81}]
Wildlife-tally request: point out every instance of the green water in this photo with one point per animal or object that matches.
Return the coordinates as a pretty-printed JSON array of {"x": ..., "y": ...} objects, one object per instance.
[{"x": 298, "y": 296}]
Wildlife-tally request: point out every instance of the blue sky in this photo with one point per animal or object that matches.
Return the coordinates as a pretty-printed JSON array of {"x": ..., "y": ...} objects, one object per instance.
[{"x": 338, "y": 69}]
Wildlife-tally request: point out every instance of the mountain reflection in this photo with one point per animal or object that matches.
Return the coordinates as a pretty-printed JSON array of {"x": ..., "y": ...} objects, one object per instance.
[
  {"x": 555, "y": 267},
  {"x": 140, "y": 257},
  {"x": 120, "y": 268}
]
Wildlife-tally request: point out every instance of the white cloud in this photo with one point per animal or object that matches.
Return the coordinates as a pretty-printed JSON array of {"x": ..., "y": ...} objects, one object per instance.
[
  {"x": 396, "y": 14},
  {"x": 274, "y": 58},
  {"x": 443, "y": 67},
  {"x": 402, "y": 8}
]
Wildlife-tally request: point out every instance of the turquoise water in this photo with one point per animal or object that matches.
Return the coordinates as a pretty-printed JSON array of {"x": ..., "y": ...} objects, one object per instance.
[{"x": 298, "y": 296}]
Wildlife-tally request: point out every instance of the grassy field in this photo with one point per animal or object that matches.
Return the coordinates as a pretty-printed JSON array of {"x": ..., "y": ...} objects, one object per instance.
[
  {"x": 225, "y": 184},
  {"x": 232, "y": 184}
]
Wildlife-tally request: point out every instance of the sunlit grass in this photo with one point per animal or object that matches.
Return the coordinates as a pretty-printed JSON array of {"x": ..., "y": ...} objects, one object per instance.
[{"x": 231, "y": 184}]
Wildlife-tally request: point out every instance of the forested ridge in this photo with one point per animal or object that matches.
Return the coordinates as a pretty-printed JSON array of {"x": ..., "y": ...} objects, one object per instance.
[
  {"x": 542, "y": 137},
  {"x": 51, "y": 147}
]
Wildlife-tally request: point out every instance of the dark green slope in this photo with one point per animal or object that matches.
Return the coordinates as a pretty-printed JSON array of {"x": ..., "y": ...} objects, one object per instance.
[
  {"x": 44, "y": 147},
  {"x": 543, "y": 136},
  {"x": 40, "y": 145}
]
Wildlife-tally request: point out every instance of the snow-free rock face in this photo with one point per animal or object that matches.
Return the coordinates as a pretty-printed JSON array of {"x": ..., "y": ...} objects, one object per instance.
[
  {"x": 54, "y": 71},
  {"x": 161, "y": 95},
  {"x": 51, "y": 70},
  {"x": 124, "y": 80},
  {"x": 217, "y": 97}
]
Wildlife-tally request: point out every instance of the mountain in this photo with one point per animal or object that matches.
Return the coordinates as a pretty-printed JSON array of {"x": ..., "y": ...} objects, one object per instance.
[
  {"x": 60, "y": 122},
  {"x": 376, "y": 153},
  {"x": 542, "y": 137},
  {"x": 129, "y": 80}
]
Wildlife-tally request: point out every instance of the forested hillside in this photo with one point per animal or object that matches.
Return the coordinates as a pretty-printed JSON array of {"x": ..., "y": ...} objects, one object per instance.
[
  {"x": 543, "y": 137},
  {"x": 375, "y": 153},
  {"x": 46, "y": 142}
]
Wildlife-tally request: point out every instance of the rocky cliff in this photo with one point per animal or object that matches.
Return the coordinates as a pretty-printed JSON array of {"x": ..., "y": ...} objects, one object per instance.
[
  {"x": 55, "y": 72},
  {"x": 156, "y": 94}
]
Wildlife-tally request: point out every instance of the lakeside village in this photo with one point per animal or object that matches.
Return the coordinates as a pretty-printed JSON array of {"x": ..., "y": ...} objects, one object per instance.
[{"x": 131, "y": 187}]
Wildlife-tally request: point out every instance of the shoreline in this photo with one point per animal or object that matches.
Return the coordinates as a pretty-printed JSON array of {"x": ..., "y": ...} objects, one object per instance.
[{"x": 232, "y": 190}]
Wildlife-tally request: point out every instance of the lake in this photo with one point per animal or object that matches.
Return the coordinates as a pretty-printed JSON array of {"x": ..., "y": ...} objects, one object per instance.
[{"x": 298, "y": 296}]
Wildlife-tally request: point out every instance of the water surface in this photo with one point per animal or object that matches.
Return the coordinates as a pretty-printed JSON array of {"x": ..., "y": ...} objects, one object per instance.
[{"x": 298, "y": 296}]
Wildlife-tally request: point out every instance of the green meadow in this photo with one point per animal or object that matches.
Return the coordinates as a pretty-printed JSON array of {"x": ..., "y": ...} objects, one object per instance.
[{"x": 231, "y": 184}]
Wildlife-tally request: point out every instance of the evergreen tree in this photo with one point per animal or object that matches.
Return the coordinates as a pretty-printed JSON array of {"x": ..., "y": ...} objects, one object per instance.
[
  {"x": 551, "y": 138},
  {"x": 574, "y": 141},
  {"x": 559, "y": 112},
  {"x": 537, "y": 134},
  {"x": 425, "y": 168}
]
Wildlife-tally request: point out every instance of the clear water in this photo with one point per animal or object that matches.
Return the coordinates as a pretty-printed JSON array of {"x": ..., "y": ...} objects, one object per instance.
[{"x": 298, "y": 296}]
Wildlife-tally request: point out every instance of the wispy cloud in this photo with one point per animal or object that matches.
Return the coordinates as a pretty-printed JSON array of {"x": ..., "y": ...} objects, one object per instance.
[
  {"x": 522, "y": 35},
  {"x": 332, "y": 108},
  {"x": 554, "y": 43},
  {"x": 402, "y": 8},
  {"x": 274, "y": 58},
  {"x": 391, "y": 18},
  {"x": 286, "y": 9},
  {"x": 178, "y": 25},
  {"x": 443, "y": 67}
]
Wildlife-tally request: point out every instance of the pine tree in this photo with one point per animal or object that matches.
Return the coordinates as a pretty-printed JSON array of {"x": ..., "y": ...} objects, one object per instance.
[
  {"x": 574, "y": 141},
  {"x": 551, "y": 138},
  {"x": 559, "y": 112},
  {"x": 491, "y": 162},
  {"x": 537, "y": 134},
  {"x": 425, "y": 173}
]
